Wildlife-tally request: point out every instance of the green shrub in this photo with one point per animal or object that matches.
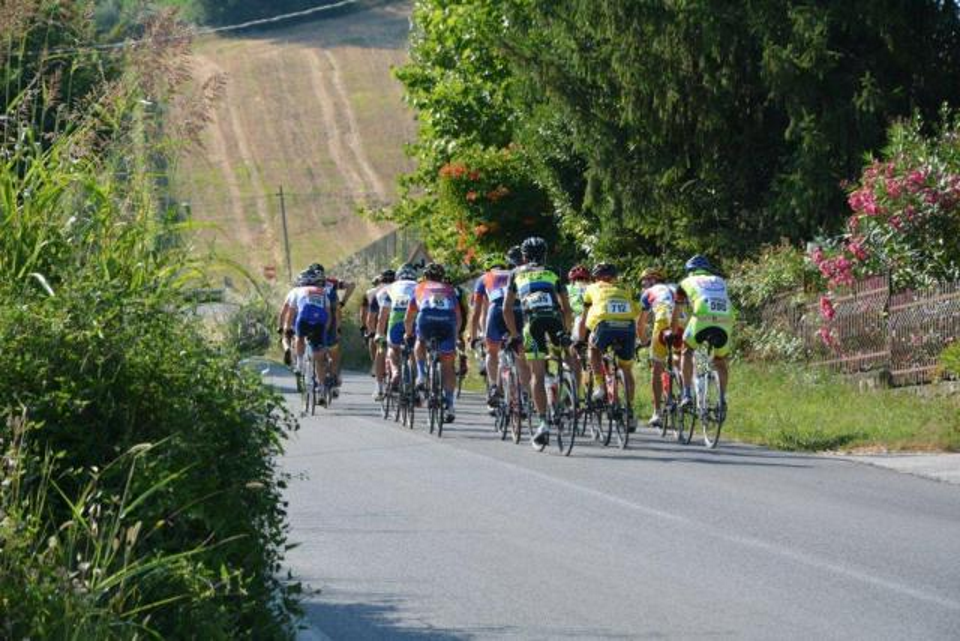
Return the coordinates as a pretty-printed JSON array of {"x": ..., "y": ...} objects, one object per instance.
[{"x": 950, "y": 358}]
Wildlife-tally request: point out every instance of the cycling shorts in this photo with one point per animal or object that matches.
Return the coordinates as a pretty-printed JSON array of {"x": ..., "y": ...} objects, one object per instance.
[
  {"x": 539, "y": 332},
  {"x": 496, "y": 328},
  {"x": 621, "y": 335},
  {"x": 658, "y": 351},
  {"x": 395, "y": 334},
  {"x": 439, "y": 327},
  {"x": 714, "y": 331},
  {"x": 314, "y": 332}
]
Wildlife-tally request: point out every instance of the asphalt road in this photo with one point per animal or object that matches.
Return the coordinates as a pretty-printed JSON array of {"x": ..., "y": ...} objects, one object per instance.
[{"x": 407, "y": 537}]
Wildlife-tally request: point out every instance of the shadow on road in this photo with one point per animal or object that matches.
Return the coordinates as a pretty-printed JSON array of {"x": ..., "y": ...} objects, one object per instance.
[{"x": 370, "y": 621}]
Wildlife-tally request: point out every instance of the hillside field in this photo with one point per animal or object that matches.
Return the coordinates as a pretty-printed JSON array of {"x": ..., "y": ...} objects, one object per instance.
[{"x": 312, "y": 107}]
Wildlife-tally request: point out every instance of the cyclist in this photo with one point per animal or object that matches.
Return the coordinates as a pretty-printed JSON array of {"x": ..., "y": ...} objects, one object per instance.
[
  {"x": 711, "y": 322},
  {"x": 578, "y": 279},
  {"x": 546, "y": 314},
  {"x": 393, "y": 301},
  {"x": 463, "y": 301},
  {"x": 309, "y": 314},
  {"x": 378, "y": 348},
  {"x": 368, "y": 309},
  {"x": 435, "y": 311},
  {"x": 286, "y": 317},
  {"x": 660, "y": 299},
  {"x": 610, "y": 315},
  {"x": 488, "y": 297},
  {"x": 334, "y": 287}
]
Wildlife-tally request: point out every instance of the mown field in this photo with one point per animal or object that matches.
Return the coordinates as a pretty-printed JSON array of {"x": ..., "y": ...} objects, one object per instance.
[{"x": 311, "y": 107}]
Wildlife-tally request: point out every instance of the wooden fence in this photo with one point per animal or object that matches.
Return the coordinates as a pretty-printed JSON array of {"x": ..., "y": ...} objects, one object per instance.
[{"x": 873, "y": 329}]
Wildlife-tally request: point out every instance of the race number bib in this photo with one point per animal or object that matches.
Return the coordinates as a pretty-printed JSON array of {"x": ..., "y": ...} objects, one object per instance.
[
  {"x": 437, "y": 301},
  {"x": 401, "y": 302},
  {"x": 538, "y": 301},
  {"x": 718, "y": 305},
  {"x": 618, "y": 306},
  {"x": 317, "y": 300}
]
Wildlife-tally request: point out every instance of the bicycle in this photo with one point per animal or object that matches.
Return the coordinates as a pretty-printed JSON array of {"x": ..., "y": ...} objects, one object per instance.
[
  {"x": 462, "y": 368},
  {"x": 407, "y": 401},
  {"x": 671, "y": 381},
  {"x": 435, "y": 402},
  {"x": 307, "y": 382},
  {"x": 512, "y": 409},
  {"x": 706, "y": 407},
  {"x": 562, "y": 412},
  {"x": 591, "y": 412},
  {"x": 613, "y": 410}
]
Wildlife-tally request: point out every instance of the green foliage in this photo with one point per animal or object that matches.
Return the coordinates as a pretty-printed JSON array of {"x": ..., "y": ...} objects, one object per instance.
[
  {"x": 905, "y": 217},
  {"x": 673, "y": 127},
  {"x": 488, "y": 197},
  {"x": 777, "y": 269},
  {"x": 249, "y": 329},
  {"x": 795, "y": 408},
  {"x": 100, "y": 358},
  {"x": 950, "y": 359}
]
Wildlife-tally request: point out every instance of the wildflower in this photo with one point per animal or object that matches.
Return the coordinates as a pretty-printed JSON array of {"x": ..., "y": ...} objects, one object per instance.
[
  {"x": 472, "y": 196},
  {"x": 481, "y": 230},
  {"x": 474, "y": 175}
]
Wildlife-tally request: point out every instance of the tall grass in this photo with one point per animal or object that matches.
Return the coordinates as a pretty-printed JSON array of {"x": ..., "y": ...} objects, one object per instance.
[{"x": 141, "y": 495}]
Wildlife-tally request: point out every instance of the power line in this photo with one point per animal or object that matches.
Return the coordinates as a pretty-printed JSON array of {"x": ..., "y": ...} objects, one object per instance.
[{"x": 115, "y": 46}]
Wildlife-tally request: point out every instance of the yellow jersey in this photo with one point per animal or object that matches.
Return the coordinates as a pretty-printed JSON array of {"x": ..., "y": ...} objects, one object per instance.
[{"x": 609, "y": 302}]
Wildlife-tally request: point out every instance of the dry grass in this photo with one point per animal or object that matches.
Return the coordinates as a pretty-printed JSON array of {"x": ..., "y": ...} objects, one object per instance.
[{"x": 311, "y": 107}]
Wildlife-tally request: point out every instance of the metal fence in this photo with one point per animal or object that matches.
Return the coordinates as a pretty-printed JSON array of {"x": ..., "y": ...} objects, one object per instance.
[
  {"x": 873, "y": 329},
  {"x": 398, "y": 245}
]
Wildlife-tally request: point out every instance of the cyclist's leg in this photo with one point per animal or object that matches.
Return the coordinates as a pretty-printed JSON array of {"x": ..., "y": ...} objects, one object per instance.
[
  {"x": 494, "y": 332},
  {"x": 690, "y": 344},
  {"x": 535, "y": 348},
  {"x": 420, "y": 349},
  {"x": 658, "y": 356},
  {"x": 598, "y": 342},
  {"x": 720, "y": 353},
  {"x": 394, "y": 344}
]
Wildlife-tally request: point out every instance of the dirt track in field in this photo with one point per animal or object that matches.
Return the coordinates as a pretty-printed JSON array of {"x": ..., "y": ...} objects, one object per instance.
[{"x": 314, "y": 108}]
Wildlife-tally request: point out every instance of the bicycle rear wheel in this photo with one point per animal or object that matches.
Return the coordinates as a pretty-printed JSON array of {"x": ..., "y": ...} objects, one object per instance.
[
  {"x": 711, "y": 418},
  {"x": 566, "y": 415},
  {"x": 515, "y": 404}
]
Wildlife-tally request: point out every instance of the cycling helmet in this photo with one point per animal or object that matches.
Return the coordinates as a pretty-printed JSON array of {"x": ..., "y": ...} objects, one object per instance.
[
  {"x": 493, "y": 261},
  {"x": 653, "y": 273},
  {"x": 434, "y": 272},
  {"x": 387, "y": 276},
  {"x": 407, "y": 272},
  {"x": 604, "y": 270},
  {"x": 514, "y": 256},
  {"x": 698, "y": 263},
  {"x": 315, "y": 267},
  {"x": 534, "y": 250},
  {"x": 304, "y": 277},
  {"x": 578, "y": 272}
]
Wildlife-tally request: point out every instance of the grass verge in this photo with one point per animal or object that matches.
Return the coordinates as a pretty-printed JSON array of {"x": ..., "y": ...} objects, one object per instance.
[{"x": 797, "y": 408}]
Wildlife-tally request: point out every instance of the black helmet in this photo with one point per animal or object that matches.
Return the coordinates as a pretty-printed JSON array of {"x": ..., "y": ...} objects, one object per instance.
[
  {"x": 514, "y": 256},
  {"x": 534, "y": 250},
  {"x": 407, "y": 272},
  {"x": 387, "y": 276},
  {"x": 434, "y": 272},
  {"x": 604, "y": 270}
]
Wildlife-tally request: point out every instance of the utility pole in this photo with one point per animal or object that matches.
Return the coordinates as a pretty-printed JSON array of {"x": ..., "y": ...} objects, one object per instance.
[{"x": 286, "y": 238}]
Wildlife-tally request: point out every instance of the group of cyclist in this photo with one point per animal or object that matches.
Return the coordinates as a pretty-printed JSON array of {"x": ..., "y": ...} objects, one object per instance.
[{"x": 521, "y": 304}]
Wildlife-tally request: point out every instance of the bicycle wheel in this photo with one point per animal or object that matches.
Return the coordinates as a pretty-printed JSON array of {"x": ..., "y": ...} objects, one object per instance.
[
  {"x": 516, "y": 407},
  {"x": 711, "y": 417},
  {"x": 666, "y": 403},
  {"x": 439, "y": 396},
  {"x": 622, "y": 429},
  {"x": 566, "y": 415}
]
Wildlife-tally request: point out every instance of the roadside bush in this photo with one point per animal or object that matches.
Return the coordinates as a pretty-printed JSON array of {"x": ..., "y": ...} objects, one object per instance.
[
  {"x": 777, "y": 269},
  {"x": 250, "y": 328},
  {"x": 950, "y": 358}
]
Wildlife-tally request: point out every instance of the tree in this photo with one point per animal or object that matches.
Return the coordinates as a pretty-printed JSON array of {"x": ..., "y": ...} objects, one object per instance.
[{"x": 720, "y": 126}]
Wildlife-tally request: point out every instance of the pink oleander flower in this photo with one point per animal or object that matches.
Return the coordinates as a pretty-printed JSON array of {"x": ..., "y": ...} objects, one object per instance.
[
  {"x": 916, "y": 179},
  {"x": 896, "y": 222},
  {"x": 855, "y": 246},
  {"x": 894, "y": 188},
  {"x": 816, "y": 255},
  {"x": 827, "y": 309},
  {"x": 910, "y": 213},
  {"x": 853, "y": 224},
  {"x": 828, "y": 338}
]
